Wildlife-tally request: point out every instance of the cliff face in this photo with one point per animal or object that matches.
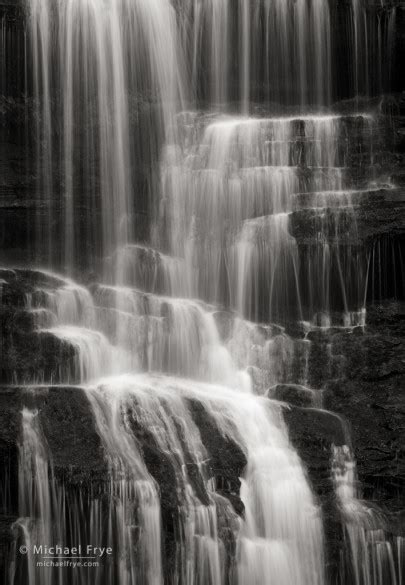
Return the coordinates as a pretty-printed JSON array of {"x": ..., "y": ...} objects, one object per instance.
[{"x": 359, "y": 372}]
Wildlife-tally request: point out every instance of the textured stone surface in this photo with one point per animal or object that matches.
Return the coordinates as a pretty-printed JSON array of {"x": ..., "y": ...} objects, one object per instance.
[
  {"x": 362, "y": 375},
  {"x": 26, "y": 354},
  {"x": 79, "y": 464},
  {"x": 370, "y": 396}
]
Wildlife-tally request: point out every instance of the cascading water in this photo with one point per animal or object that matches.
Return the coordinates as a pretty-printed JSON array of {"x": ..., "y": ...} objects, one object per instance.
[
  {"x": 284, "y": 51},
  {"x": 187, "y": 328},
  {"x": 371, "y": 34},
  {"x": 373, "y": 558},
  {"x": 97, "y": 58},
  {"x": 35, "y": 493},
  {"x": 228, "y": 202}
]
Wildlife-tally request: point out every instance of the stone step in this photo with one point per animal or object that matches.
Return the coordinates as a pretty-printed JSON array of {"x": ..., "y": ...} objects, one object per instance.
[
  {"x": 329, "y": 323},
  {"x": 334, "y": 199},
  {"x": 18, "y": 283},
  {"x": 296, "y": 395},
  {"x": 315, "y": 225},
  {"x": 150, "y": 270},
  {"x": 94, "y": 355},
  {"x": 309, "y": 141},
  {"x": 35, "y": 357},
  {"x": 370, "y": 192}
]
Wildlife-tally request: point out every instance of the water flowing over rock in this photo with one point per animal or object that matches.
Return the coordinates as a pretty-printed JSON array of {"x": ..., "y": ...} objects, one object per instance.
[{"x": 201, "y": 292}]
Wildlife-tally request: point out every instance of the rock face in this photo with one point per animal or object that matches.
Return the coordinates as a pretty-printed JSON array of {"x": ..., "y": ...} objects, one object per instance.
[
  {"x": 76, "y": 455},
  {"x": 356, "y": 376},
  {"x": 363, "y": 406},
  {"x": 26, "y": 353},
  {"x": 79, "y": 464},
  {"x": 369, "y": 396}
]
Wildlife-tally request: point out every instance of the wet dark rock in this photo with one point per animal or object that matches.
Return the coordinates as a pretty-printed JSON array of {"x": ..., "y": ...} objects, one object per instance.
[
  {"x": 370, "y": 395},
  {"x": 381, "y": 214},
  {"x": 226, "y": 464},
  {"x": 27, "y": 354},
  {"x": 9, "y": 431},
  {"x": 161, "y": 469},
  {"x": 313, "y": 432},
  {"x": 68, "y": 425},
  {"x": 376, "y": 214},
  {"x": 367, "y": 391},
  {"x": 227, "y": 461},
  {"x": 18, "y": 283},
  {"x": 228, "y": 524},
  {"x": 69, "y": 428},
  {"x": 6, "y": 539},
  {"x": 145, "y": 268},
  {"x": 35, "y": 358},
  {"x": 79, "y": 464},
  {"x": 76, "y": 454},
  {"x": 26, "y": 214},
  {"x": 361, "y": 372},
  {"x": 10, "y": 421},
  {"x": 294, "y": 394},
  {"x": 224, "y": 321}
]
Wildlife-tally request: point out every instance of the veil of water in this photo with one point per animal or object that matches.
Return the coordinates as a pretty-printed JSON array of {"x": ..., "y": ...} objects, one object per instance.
[
  {"x": 191, "y": 320},
  {"x": 90, "y": 63}
]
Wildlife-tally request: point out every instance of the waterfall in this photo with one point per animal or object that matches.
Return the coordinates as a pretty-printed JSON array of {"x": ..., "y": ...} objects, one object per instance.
[
  {"x": 157, "y": 405},
  {"x": 35, "y": 494},
  {"x": 194, "y": 178},
  {"x": 97, "y": 59},
  {"x": 50, "y": 517},
  {"x": 284, "y": 48},
  {"x": 371, "y": 33},
  {"x": 229, "y": 202},
  {"x": 375, "y": 558}
]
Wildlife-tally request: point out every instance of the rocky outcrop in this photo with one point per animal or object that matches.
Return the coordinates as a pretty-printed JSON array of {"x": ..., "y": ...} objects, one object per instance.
[
  {"x": 369, "y": 396},
  {"x": 79, "y": 464},
  {"x": 360, "y": 374},
  {"x": 76, "y": 455},
  {"x": 28, "y": 354},
  {"x": 227, "y": 461}
]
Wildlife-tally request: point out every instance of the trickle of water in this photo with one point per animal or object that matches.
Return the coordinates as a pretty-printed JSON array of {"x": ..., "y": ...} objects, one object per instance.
[
  {"x": 134, "y": 522},
  {"x": 35, "y": 499},
  {"x": 374, "y": 557}
]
